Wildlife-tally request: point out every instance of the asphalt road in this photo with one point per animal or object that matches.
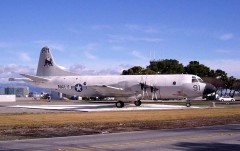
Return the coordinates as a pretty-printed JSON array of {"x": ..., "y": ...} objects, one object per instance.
[{"x": 219, "y": 138}]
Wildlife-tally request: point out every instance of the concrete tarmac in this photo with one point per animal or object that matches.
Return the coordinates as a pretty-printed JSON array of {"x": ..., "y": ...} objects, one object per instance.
[
  {"x": 33, "y": 106},
  {"x": 102, "y": 107},
  {"x": 220, "y": 138}
]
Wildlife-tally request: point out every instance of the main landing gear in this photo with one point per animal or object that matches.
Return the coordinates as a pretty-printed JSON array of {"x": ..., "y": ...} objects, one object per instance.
[{"x": 120, "y": 104}]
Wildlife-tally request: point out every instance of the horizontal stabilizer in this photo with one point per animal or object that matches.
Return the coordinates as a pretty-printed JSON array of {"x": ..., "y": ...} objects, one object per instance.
[
  {"x": 20, "y": 79},
  {"x": 35, "y": 78}
]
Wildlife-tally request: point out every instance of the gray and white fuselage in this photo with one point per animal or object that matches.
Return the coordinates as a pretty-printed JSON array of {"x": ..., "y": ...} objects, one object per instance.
[
  {"x": 137, "y": 86},
  {"x": 122, "y": 87}
]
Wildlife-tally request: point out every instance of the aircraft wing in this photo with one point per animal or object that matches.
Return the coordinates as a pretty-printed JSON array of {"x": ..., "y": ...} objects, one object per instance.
[
  {"x": 112, "y": 91},
  {"x": 35, "y": 78}
]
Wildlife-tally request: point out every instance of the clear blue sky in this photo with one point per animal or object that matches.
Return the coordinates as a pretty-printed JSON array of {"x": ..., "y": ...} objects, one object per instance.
[{"x": 106, "y": 36}]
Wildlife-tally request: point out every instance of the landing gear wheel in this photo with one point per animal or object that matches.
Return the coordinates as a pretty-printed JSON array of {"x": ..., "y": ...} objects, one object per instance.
[
  {"x": 119, "y": 104},
  {"x": 137, "y": 103},
  {"x": 188, "y": 104}
]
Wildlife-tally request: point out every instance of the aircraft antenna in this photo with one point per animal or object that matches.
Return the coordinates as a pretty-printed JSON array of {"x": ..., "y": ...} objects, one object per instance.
[
  {"x": 154, "y": 55},
  {"x": 150, "y": 55}
]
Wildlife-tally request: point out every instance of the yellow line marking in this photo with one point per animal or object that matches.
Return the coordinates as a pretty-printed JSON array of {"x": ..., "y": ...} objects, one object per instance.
[{"x": 153, "y": 141}]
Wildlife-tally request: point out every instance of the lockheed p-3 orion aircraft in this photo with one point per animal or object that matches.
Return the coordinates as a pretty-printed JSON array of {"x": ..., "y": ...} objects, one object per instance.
[{"x": 124, "y": 88}]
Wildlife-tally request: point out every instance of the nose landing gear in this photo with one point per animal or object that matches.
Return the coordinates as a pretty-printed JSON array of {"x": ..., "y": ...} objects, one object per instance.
[{"x": 188, "y": 103}]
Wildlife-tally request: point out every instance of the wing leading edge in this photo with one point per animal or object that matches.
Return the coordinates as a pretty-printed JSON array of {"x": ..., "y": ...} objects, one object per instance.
[{"x": 106, "y": 90}]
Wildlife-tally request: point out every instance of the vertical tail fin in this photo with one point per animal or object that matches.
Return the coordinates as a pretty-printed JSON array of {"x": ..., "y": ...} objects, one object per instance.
[{"x": 48, "y": 67}]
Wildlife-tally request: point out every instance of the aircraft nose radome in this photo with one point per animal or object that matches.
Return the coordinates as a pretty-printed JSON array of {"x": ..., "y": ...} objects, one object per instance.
[{"x": 209, "y": 88}]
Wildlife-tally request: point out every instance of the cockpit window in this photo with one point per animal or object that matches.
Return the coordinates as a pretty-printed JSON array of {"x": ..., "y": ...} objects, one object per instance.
[
  {"x": 197, "y": 79},
  {"x": 194, "y": 79},
  {"x": 200, "y": 80}
]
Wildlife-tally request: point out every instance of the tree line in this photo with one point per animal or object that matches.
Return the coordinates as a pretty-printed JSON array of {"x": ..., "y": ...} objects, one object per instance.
[{"x": 218, "y": 78}]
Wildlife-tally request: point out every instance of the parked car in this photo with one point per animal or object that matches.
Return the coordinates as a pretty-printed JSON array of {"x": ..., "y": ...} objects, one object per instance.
[{"x": 226, "y": 98}]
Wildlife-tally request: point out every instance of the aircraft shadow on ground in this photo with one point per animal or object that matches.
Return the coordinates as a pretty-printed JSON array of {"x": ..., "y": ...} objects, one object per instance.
[{"x": 208, "y": 146}]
